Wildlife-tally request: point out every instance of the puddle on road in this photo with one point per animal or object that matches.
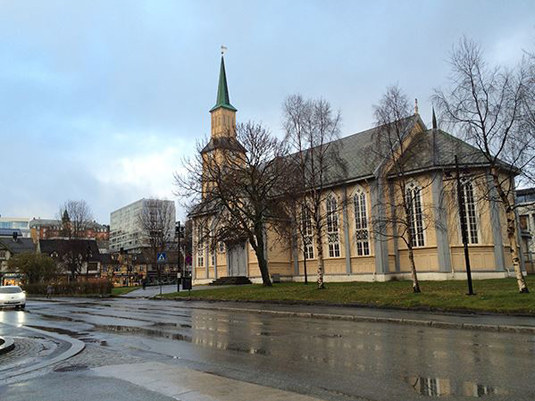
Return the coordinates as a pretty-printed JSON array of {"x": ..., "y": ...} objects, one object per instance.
[
  {"x": 144, "y": 331},
  {"x": 59, "y": 331},
  {"x": 172, "y": 325},
  {"x": 71, "y": 368},
  {"x": 443, "y": 387}
]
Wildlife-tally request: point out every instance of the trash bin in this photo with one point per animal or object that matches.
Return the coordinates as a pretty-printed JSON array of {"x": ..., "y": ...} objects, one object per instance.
[{"x": 186, "y": 283}]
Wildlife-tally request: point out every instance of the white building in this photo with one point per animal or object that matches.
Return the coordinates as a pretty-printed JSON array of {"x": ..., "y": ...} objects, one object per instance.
[
  {"x": 126, "y": 230},
  {"x": 16, "y": 223}
]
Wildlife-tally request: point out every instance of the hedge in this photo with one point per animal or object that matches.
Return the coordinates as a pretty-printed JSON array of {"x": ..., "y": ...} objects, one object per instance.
[{"x": 103, "y": 287}]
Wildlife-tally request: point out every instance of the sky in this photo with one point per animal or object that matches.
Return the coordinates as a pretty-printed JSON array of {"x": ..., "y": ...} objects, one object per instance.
[{"x": 102, "y": 100}]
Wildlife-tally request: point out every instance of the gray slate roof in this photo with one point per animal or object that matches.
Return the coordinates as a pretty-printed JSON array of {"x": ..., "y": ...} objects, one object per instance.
[
  {"x": 61, "y": 246},
  {"x": 21, "y": 245},
  {"x": 434, "y": 148}
]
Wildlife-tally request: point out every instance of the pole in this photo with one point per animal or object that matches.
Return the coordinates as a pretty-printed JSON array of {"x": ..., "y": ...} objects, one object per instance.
[
  {"x": 178, "y": 260},
  {"x": 464, "y": 232},
  {"x": 305, "y": 265}
]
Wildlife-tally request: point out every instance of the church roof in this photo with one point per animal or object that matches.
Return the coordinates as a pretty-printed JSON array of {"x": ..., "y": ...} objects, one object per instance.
[
  {"x": 432, "y": 149},
  {"x": 223, "y": 98},
  {"x": 228, "y": 143}
]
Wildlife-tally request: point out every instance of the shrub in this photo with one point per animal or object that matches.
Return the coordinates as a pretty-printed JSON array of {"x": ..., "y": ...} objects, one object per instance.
[{"x": 102, "y": 287}]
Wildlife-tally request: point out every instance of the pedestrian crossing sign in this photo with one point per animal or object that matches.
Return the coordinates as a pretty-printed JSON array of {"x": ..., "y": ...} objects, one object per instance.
[{"x": 161, "y": 257}]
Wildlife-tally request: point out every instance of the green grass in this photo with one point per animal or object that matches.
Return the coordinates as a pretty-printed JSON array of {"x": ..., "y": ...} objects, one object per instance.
[
  {"x": 116, "y": 291},
  {"x": 499, "y": 295}
]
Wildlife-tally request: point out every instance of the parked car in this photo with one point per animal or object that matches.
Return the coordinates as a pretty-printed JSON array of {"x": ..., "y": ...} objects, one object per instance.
[{"x": 12, "y": 295}]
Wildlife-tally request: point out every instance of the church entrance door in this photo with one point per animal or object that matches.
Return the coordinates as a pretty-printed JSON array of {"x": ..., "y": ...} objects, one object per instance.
[{"x": 237, "y": 260}]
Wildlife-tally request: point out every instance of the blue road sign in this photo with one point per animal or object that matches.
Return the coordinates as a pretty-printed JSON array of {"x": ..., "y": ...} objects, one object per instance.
[{"x": 161, "y": 257}]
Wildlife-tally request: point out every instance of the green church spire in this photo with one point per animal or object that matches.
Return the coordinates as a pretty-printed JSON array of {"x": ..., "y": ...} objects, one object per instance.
[{"x": 223, "y": 99}]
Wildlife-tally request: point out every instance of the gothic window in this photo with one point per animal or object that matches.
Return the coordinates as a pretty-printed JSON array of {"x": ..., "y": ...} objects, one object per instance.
[
  {"x": 308, "y": 243},
  {"x": 361, "y": 224},
  {"x": 467, "y": 192},
  {"x": 333, "y": 237},
  {"x": 413, "y": 196},
  {"x": 200, "y": 248}
]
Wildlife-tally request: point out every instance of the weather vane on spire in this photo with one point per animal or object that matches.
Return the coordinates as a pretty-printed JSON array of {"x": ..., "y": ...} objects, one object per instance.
[
  {"x": 223, "y": 49},
  {"x": 415, "y": 106}
]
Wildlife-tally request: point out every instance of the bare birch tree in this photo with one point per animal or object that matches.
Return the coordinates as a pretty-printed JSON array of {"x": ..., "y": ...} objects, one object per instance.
[
  {"x": 406, "y": 217},
  {"x": 311, "y": 128},
  {"x": 491, "y": 108},
  {"x": 76, "y": 217},
  {"x": 239, "y": 188}
]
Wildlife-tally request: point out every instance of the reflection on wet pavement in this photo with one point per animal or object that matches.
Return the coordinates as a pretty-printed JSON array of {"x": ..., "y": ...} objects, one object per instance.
[
  {"x": 337, "y": 359},
  {"x": 437, "y": 387}
]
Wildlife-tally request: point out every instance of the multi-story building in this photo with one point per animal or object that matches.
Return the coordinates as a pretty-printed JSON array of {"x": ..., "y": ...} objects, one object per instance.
[
  {"x": 51, "y": 229},
  {"x": 16, "y": 223},
  {"x": 127, "y": 230},
  {"x": 127, "y": 269}
]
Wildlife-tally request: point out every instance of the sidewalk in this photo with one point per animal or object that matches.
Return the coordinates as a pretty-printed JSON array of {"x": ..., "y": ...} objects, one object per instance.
[
  {"x": 480, "y": 321},
  {"x": 152, "y": 291},
  {"x": 191, "y": 385},
  {"x": 34, "y": 349}
]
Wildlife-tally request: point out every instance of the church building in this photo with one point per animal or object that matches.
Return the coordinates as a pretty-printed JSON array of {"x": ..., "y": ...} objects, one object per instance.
[{"x": 352, "y": 250}]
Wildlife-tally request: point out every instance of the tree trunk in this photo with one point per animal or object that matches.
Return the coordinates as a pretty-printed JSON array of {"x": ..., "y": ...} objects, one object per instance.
[
  {"x": 261, "y": 255},
  {"x": 414, "y": 277},
  {"x": 513, "y": 243},
  {"x": 511, "y": 235},
  {"x": 321, "y": 266}
]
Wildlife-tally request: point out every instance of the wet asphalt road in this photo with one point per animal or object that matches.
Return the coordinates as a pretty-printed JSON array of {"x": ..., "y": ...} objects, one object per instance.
[{"x": 332, "y": 360}]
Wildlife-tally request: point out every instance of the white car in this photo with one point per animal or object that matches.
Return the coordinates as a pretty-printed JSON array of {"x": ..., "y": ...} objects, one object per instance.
[{"x": 12, "y": 295}]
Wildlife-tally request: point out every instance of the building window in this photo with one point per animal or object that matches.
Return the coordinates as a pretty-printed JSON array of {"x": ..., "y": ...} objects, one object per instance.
[
  {"x": 213, "y": 258},
  {"x": 361, "y": 224},
  {"x": 200, "y": 248},
  {"x": 467, "y": 191},
  {"x": 413, "y": 197},
  {"x": 524, "y": 222},
  {"x": 308, "y": 243},
  {"x": 221, "y": 247},
  {"x": 333, "y": 237}
]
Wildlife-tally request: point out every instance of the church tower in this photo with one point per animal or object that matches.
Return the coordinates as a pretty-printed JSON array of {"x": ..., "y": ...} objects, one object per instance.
[
  {"x": 223, "y": 128},
  {"x": 223, "y": 113}
]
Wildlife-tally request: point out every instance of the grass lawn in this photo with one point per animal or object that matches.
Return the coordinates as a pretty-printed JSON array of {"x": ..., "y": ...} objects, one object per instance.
[
  {"x": 499, "y": 295},
  {"x": 116, "y": 291}
]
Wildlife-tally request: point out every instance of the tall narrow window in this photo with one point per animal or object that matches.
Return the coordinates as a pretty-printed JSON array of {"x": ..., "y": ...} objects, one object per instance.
[
  {"x": 361, "y": 224},
  {"x": 200, "y": 248},
  {"x": 333, "y": 237},
  {"x": 467, "y": 191},
  {"x": 308, "y": 243},
  {"x": 413, "y": 197}
]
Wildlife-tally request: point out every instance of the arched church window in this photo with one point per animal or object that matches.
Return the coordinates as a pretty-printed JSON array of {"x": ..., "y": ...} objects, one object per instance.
[
  {"x": 470, "y": 210},
  {"x": 308, "y": 243},
  {"x": 333, "y": 236},
  {"x": 413, "y": 196},
  {"x": 361, "y": 224}
]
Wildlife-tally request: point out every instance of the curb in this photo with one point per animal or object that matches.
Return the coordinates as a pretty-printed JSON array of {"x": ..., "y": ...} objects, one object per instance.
[
  {"x": 76, "y": 346},
  {"x": 420, "y": 308},
  {"x": 371, "y": 319},
  {"x": 6, "y": 344}
]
